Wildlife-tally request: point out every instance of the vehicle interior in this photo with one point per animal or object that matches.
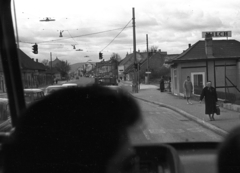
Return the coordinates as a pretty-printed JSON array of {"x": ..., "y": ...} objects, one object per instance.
[{"x": 182, "y": 157}]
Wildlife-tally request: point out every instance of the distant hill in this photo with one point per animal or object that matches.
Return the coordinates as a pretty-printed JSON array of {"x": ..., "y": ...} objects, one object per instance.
[{"x": 74, "y": 67}]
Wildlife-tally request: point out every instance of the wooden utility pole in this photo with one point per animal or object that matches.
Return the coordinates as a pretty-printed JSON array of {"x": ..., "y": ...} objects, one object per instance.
[
  {"x": 135, "y": 80},
  {"x": 51, "y": 65},
  {"x": 147, "y": 60}
]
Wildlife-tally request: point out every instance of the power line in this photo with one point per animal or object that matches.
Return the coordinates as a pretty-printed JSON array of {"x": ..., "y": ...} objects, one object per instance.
[
  {"x": 81, "y": 35},
  {"x": 116, "y": 35}
]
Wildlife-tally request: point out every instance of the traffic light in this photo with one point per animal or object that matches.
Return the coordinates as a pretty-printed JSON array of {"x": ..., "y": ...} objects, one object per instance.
[
  {"x": 100, "y": 55},
  {"x": 35, "y": 48},
  {"x": 135, "y": 66}
]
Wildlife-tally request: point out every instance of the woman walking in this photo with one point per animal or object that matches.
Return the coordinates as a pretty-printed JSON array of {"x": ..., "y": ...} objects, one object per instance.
[
  {"x": 161, "y": 84},
  {"x": 188, "y": 87},
  {"x": 210, "y": 95}
]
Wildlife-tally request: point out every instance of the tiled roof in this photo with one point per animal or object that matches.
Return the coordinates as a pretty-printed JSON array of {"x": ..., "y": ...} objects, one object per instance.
[
  {"x": 27, "y": 63},
  {"x": 143, "y": 60},
  {"x": 126, "y": 59},
  {"x": 221, "y": 49}
]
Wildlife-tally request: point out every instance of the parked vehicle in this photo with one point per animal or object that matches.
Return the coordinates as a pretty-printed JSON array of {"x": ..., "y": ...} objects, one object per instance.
[
  {"x": 52, "y": 88},
  {"x": 106, "y": 81},
  {"x": 4, "y": 109},
  {"x": 69, "y": 85},
  {"x": 32, "y": 95}
]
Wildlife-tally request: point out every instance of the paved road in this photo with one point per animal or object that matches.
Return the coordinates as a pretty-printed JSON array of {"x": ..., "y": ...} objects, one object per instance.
[{"x": 162, "y": 125}]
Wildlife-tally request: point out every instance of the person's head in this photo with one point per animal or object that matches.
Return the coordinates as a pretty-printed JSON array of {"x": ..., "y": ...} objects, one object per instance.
[
  {"x": 209, "y": 84},
  {"x": 188, "y": 78},
  {"x": 229, "y": 153},
  {"x": 73, "y": 130}
]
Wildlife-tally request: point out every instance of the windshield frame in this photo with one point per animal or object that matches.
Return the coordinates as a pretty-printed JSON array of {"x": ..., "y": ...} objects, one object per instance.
[{"x": 10, "y": 62}]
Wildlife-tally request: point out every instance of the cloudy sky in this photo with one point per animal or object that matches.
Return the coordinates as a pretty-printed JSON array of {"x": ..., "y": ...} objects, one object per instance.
[{"x": 170, "y": 24}]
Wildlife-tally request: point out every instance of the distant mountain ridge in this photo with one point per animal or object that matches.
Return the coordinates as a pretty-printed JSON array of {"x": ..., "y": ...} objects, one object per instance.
[{"x": 74, "y": 67}]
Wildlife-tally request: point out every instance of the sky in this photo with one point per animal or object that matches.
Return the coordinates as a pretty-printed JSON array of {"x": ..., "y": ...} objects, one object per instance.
[{"x": 170, "y": 25}]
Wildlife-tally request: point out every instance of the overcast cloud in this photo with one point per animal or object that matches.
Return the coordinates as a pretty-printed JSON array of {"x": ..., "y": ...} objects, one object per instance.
[{"x": 170, "y": 24}]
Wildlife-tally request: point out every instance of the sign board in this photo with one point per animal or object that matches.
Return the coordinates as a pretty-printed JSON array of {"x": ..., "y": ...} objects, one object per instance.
[
  {"x": 148, "y": 72},
  {"x": 218, "y": 33}
]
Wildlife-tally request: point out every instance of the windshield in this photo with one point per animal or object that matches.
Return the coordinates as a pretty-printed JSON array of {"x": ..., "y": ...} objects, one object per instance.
[{"x": 163, "y": 53}]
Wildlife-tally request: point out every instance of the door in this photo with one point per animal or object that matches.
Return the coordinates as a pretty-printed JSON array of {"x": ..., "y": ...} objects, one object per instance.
[{"x": 198, "y": 80}]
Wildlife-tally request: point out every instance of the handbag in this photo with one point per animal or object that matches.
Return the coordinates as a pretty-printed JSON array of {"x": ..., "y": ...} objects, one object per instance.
[{"x": 217, "y": 110}]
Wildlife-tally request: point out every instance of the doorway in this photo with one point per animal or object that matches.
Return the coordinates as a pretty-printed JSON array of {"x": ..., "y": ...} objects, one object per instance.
[{"x": 198, "y": 80}]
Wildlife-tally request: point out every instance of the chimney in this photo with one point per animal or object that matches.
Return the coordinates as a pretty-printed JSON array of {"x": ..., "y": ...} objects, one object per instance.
[
  {"x": 36, "y": 60},
  {"x": 208, "y": 45},
  {"x": 189, "y": 45}
]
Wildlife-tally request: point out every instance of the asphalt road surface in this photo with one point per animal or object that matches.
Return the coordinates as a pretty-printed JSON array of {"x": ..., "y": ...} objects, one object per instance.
[{"x": 162, "y": 125}]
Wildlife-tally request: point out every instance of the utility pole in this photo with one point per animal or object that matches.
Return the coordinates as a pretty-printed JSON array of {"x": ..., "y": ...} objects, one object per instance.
[
  {"x": 51, "y": 64},
  {"x": 135, "y": 82},
  {"x": 147, "y": 60}
]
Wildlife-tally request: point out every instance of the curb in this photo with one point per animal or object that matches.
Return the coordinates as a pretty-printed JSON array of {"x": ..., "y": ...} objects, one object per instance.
[{"x": 189, "y": 116}]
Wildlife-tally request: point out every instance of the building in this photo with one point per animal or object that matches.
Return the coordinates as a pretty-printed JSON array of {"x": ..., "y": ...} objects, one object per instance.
[
  {"x": 208, "y": 60},
  {"x": 152, "y": 62},
  {"x": 34, "y": 74},
  {"x": 107, "y": 69}
]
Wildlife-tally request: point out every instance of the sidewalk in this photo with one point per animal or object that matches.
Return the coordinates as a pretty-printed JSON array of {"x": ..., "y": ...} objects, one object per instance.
[{"x": 222, "y": 125}]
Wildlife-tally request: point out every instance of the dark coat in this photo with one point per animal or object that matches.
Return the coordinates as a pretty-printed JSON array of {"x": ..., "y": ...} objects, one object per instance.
[
  {"x": 210, "y": 95},
  {"x": 161, "y": 84}
]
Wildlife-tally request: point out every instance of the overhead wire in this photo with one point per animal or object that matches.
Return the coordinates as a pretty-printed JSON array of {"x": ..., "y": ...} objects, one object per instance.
[
  {"x": 84, "y": 35},
  {"x": 117, "y": 35}
]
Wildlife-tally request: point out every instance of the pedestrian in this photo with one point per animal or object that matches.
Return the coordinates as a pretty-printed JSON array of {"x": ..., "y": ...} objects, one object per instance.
[
  {"x": 210, "y": 95},
  {"x": 161, "y": 84},
  {"x": 188, "y": 87}
]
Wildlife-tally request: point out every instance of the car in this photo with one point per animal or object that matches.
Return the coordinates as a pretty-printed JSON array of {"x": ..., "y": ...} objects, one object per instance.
[
  {"x": 52, "y": 88},
  {"x": 69, "y": 85},
  {"x": 32, "y": 95},
  {"x": 4, "y": 109},
  {"x": 106, "y": 81}
]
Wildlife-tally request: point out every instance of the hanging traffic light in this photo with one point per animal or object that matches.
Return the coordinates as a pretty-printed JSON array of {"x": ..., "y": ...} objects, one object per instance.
[
  {"x": 135, "y": 66},
  {"x": 100, "y": 55},
  {"x": 35, "y": 48}
]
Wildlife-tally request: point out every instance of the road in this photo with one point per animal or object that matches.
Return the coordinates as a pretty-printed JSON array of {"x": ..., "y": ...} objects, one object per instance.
[{"x": 162, "y": 125}]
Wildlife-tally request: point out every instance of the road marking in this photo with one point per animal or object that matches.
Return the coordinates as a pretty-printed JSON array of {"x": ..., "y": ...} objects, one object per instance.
[
  {"x": 145, "y": 132},
  {"x": 197, "y": 129},
  {"x": 156, "y": 131}
]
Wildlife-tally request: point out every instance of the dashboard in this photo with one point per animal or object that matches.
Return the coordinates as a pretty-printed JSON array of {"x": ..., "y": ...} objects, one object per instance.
[{"x": 178, "y": 158}]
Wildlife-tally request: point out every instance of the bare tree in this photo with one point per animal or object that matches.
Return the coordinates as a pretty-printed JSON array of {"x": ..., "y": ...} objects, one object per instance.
[
  {"x": 116, "y": 57},
  {"x": 45, "y": 62},
  {"x": 63, "y": 67},
  {"x": 153, "y": 48}
]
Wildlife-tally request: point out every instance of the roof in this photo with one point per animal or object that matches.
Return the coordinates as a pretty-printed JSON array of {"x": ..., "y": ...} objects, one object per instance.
[
  {"x": 143, "y": 60},
  {"x": 126, "y": 59},
  {"x": 221, "y": 49},
  {"x": 27, "y": 63}
]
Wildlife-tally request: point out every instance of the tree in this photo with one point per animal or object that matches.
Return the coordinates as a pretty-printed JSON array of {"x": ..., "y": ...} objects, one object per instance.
[
  {"x": 45, "y": 62},
  {"x": 153, "y": 48},
  {"x": 115, "y": 57},
  {"x": 63, "y": 67}
]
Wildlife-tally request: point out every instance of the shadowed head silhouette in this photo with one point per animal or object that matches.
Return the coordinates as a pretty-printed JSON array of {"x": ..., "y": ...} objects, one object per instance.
[{"x": 72, "y": 130}]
